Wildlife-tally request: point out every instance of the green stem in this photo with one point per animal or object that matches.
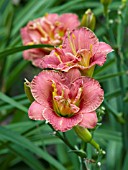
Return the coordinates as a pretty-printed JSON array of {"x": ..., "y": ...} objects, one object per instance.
[
  {"x": 96, "y": 145},
  {"x": 80, "y": 153}
]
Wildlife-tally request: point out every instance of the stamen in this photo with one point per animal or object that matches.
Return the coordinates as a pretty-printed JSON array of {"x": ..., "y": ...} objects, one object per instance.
[
  {"x": 55, "y": 89},
  {"x": 58, "y": 57},
  {"x": 91, "y": 49},
  {"x": 85, "y": 58},
  {"x": 54, "y": 93},
  {"x": 72, "y": 44},
  {"x": 41, "y": 30},
  {"x": 63, "y": 106}
]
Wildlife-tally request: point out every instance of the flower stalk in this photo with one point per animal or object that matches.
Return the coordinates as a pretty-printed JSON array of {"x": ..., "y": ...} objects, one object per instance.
[
  {"x": 105, "y": 4},
  {"x": 80, "y": 153}
]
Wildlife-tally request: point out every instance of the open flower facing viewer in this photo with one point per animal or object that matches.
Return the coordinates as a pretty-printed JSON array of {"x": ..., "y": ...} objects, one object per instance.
[
  {"x": 65, "y": 101},
  {"x": 49, "y": 29},
  {"x": 80, "y": 49}
]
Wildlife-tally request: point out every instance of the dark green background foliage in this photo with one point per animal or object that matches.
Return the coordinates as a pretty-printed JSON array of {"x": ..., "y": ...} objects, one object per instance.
[{"x": 27, "y": 144}]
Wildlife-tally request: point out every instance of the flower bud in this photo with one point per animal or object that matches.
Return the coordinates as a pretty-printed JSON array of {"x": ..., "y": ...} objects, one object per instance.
[
  {"x": 88, "y": 20},
  {"x": 124, "y": 2},
  {"x": 105, "y": 4},
  {"x": 28, "y": 90},
  {"x": 86, "y": 136},
  {"x": 120, "y": 118}
]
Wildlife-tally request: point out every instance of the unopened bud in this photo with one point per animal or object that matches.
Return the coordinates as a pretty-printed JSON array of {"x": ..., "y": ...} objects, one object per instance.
[
  {"x": 28, "y": 90},
  {"x": 124, "y": 2},
  {"x": 111, "y": 21},
  {"x": 88, "y": 20},
  {"x": 120, "y": 118},
  {"x": 86, "y": 136},
  {"x": 99, "y": 164},
  {"x": 103, "y": 152}
]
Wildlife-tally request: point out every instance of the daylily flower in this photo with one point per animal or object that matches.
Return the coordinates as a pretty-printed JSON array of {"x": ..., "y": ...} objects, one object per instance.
[
  {"x": 65, "y": 99},
  {"x": 80, "y": 49},
  {"x": 49, "y": 29}
]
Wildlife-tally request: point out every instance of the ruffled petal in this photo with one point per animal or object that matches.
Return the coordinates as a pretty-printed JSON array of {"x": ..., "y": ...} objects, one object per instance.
[
  {"x": 89, "y": 120},
  {"x": 33, "y": 32},
  {"x": 69, "y": 21},
  {"x": 100, "y": 54},
  {"x": 104, "y": 48},
  {"x": 50, "y": 61},
  {"x": 92, "y": 94},
  {"x": 82, "y": 38},
  {"x": 61, "y": 123},
  {"x": 41, "y": 86},
  {"x": 64, "y": 57},
  {"x": 73, "y": 74},
  {"x": 35, "y": 111},
  {"x": 59, "y": 60},
  {"x": 99, "y": 58},
  {"x": 52, "y": 17},
  {"x": 33, "y": 54}
]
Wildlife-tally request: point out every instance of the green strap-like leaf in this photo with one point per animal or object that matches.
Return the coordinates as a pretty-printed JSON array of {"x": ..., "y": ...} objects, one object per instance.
[
  {"x": 12, "y": 102},
  {"x": 26, "y": 144},
  {"x": 26, "y": 156},
  {"x": 13, "y": 50}
]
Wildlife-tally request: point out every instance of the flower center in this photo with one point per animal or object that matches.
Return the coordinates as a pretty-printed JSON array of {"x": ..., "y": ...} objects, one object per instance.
[
  {"x": 62, "y": 104},
  {"x": 84, "y": 58}
]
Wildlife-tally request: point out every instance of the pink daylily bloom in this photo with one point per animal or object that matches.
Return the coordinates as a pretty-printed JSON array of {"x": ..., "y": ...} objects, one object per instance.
[
  {"x": 80, "y": 49},
  {"x": 65, "y": 100},
  {"x": 49, "y": 29}
]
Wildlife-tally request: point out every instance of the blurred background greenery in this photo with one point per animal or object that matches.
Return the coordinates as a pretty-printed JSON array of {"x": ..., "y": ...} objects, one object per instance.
[{"x": 27, "y": 144}]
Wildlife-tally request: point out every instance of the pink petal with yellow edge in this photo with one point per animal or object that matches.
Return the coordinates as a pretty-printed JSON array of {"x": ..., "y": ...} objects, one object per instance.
[
  {"x": 41, "y": 86},
  {"x": 89, "y": 120},
  {"x": 61, "y": 123},
  {"x": 35, "y": 111},
  {"x": 69, "y": 20},
  {"x": 82, "y": 38},
  {"x": 92, "y": 95}
]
